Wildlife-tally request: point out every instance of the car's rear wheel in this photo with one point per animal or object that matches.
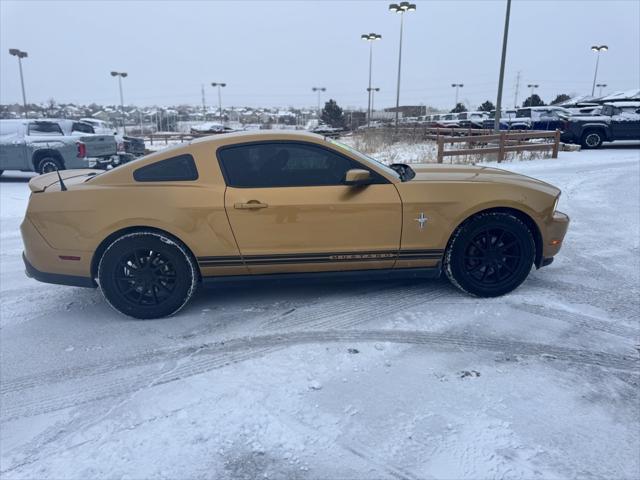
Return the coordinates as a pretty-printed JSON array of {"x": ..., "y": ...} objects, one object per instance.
[
  {"x": 592, "y": 139},
  {"x": 147, "y": 274},
  {"x": 490, "y": 255},
  {"x": 48, "y": 164}
]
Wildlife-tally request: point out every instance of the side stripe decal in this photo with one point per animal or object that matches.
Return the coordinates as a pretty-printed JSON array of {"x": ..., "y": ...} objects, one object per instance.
[{"x": 337, "y": 257}]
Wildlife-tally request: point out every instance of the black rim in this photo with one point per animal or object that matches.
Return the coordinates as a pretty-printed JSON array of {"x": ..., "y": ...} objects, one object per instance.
[
  {"x": 492, "y": 257},
  {"x": 48, "y": 167},
  {"x": 593, "y": 139},
  {"x": 145, "y": 277}
]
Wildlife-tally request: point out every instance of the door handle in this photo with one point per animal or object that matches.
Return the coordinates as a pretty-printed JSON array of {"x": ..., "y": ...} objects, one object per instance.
[{"x": 250, "y": 205}]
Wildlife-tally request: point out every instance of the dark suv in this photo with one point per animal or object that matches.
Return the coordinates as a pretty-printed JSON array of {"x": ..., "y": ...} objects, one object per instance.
[{"x": 616, "y": 121}]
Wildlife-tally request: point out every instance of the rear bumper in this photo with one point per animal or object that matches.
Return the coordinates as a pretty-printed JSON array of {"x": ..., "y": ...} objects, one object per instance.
[{"x": 56, "y": 278}]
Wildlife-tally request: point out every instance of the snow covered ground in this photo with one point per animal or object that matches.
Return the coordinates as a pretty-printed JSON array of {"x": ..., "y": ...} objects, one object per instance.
[{"x": 352, "y": 380}]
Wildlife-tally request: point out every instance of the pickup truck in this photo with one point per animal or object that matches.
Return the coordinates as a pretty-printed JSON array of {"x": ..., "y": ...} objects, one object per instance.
[
  {"x": 44, "y": 146},
  {"x": 616, "y": 121}
]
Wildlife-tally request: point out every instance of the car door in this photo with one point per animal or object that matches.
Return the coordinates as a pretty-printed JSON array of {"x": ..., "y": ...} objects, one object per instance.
[
  {"x": 625, "y": 124},
  {"x": 291, "y": 212}
]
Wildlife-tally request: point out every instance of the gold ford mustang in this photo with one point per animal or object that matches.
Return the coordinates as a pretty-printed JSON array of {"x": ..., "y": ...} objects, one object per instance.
[{"x": 273, "y": 205}]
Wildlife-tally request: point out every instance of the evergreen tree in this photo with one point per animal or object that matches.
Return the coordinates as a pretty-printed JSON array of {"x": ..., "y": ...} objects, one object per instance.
[
  {"x": 487, "y": 106},
  {"x": 562, "y": 97},
  {"x": 332, "y": 114},
  {"x": 459, "y": 108},
  {"x": 533, "y": 101}
]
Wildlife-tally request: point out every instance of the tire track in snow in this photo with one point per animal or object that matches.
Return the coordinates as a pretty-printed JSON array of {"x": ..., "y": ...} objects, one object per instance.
[{"x": 217, "y": 355}]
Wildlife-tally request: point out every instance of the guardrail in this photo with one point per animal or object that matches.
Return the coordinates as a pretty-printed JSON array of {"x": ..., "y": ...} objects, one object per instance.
[{"x": 505, "y": 142}]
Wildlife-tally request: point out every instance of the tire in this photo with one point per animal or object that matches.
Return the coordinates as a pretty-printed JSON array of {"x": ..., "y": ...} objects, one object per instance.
[
  {"x": 147, "y": 275},
  {"x": 48, "y": 164},
  {"x": 492, "y": 271},
  {"x": 592, "y": 139}
]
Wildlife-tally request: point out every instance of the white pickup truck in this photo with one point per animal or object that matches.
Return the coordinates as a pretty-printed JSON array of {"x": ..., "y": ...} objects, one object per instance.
[{"x": 47, "y": 145}]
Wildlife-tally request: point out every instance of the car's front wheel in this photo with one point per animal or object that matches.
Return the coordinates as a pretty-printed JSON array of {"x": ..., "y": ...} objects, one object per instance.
[
  {"x": 592, "y": 139},
  {"x": 147, "y": 274},
  {"x": 490, "y": 255}
]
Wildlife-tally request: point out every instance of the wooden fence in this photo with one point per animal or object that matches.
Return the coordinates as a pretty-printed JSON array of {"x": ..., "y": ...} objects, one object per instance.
[{"x": 497, "y": 143}]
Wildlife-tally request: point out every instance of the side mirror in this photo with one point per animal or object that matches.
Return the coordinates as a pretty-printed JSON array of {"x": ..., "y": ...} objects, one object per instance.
[{"x": 357, "y": 176}]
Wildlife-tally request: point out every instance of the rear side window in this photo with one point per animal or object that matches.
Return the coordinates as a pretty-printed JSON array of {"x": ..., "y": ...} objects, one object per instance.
[
  {"x": 82, "y": 127},
  {"x": 180, "y": 168},
  {"x": 44, "y": 128},
  {"x": 283, "y": 164}
]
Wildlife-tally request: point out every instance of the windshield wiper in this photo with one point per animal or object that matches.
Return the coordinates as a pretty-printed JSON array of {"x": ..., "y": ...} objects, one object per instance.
[{"x": 405, "y": 171}]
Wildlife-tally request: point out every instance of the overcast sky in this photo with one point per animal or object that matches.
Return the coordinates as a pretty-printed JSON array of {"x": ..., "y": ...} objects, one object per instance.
[{"x": 271, "y": 53}]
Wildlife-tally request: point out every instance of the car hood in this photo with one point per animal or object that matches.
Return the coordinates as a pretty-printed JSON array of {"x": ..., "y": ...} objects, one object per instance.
[{"x": 474, "y": 173}]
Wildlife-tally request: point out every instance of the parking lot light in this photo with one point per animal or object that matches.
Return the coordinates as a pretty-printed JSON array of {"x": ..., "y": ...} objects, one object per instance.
[
  {"x": 372, "y": 91},
  {"x": 457, "y": 86},
  {"x": 370, "y": 37},
  {"x": 597, "y": 49},
  {"x": 532, "y": 86},
  {"x": 120, "y": 76},
  {"x": 400, "y": 8},
  {"x": 20, "y": 54},
  {"x": 220, "y": 86},
  {"x": 601, "y": 86},
  {"x": 319, "y": 90}
]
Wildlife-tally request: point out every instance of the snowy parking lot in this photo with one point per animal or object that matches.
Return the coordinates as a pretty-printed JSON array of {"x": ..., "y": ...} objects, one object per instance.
[{"x": 402, "y": 379}]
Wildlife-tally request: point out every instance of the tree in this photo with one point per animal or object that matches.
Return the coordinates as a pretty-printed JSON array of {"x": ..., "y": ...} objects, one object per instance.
[
  {"x": 562, "y": 97},
  {"x": 533, "y": 101},
  {"x": 332, "y": 114},
  {"x": 487, "y": 106},
  {"x": 459, "y": 108}
]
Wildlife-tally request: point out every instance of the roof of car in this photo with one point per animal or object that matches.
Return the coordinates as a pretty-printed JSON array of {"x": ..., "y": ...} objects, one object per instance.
[{"x": 258, "y": 135}]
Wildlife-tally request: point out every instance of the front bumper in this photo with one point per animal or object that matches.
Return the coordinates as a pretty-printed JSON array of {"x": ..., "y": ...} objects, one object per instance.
[{"x": 556, "y": 229}]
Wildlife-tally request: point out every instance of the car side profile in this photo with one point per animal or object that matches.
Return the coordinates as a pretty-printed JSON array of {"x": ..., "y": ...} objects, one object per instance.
[{"x": 271, "y": 205}]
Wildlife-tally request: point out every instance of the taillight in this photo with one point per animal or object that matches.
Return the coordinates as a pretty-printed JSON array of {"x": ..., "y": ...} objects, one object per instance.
[
  {"x": 121, "y": 147},
  {"x": 82, "y": 149}
]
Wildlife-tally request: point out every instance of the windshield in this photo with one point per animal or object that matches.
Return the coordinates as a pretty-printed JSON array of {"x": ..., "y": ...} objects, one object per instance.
[{"x": 366, "y": 159}]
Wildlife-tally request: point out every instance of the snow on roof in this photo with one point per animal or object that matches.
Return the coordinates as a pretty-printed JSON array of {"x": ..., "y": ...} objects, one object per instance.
[{"x": 621, "y": 96}]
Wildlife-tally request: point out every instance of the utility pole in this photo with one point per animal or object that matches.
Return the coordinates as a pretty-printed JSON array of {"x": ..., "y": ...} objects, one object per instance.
[
  {"x": 496, "y": 123},
  {"x": 204, "y": 108},
  {"x": 515, "y": 98}
]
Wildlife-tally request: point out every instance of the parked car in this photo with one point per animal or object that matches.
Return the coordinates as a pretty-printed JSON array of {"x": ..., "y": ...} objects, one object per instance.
[
  {"x": 447, "y": 120},
  {"x": 128, "y": 147},
  {"x": 270, "y": 205},
  {"x": 539, "y": 118},
  {"x": 616, "y": 121},
  {"x": 46, "y": 145},
  {"x": 210, "y": 127},
  {"x": 506, "y": 118},
  {"x": 472, "y": 119}
]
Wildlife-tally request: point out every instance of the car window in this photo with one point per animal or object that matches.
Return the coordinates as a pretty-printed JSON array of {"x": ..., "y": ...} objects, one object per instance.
[
  {"x": 44, "y": 128},
  {"x": 180, "y": 168},
  {"x": 82, "y": 127},
  {"x": 523, "y": 113},
  {"x": 283, "y": 164}
]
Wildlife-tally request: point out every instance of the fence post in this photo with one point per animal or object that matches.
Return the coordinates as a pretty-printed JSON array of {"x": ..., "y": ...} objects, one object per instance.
[
  {"x": 440, "y": 148},
  {"x": 556, "y": 144},
  {"x": 501, "y": 147},
  {"x": 151, "y": 137},
  {"x": 166, "y": 139}
]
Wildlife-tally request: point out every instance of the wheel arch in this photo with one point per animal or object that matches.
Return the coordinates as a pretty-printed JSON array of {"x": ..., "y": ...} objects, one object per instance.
[
  {"x": 45, "y": 152},
  {"x": 521, "y": 215},
  {"x": 102, "y": 247}
]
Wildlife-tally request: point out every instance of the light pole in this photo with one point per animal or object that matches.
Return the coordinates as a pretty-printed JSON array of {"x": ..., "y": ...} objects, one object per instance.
[
  {"x": 532, "y": 86},
  {"x": 597, "y": 49},
  {"x": 503, "y": 59},
  {"x": 601, "y": 86},
  {"x": 319, "y": 90},
  {"x": 400, "y": 8},
  {"x": 457, "y": 86},
  {"x": 120, "y": 76},
  {"x": 20, "y": 54},
  {"x": 370, "y": 37},
  {"x": 220, "y": 86},
  {"x": 372, "y": 91}
]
